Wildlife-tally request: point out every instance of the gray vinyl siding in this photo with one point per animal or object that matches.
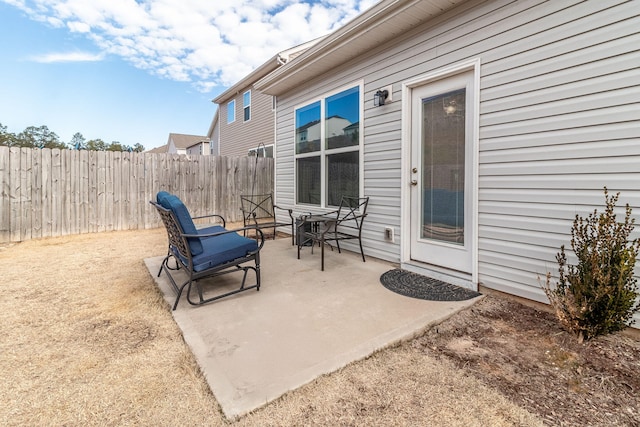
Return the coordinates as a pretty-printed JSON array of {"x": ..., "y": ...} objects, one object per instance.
[
  {"x": 237, "y": 138},
  {"x": 559, "y": 120}
]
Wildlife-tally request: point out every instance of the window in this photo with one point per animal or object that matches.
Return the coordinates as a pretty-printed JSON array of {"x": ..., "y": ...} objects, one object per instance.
[
  {"x": 327, "y": 149},
  {"x": 246, "y": 105},
  {"x": 231, "y": 111},
  {"x": 262, "y": 151}
]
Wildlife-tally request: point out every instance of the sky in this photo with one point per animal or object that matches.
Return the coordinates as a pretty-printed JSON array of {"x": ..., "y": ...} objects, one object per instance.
[{"x": 133, "y": 71}]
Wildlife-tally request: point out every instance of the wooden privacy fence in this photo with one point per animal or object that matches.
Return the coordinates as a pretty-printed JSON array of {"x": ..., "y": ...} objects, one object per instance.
[{"x": 52, "y": 192}]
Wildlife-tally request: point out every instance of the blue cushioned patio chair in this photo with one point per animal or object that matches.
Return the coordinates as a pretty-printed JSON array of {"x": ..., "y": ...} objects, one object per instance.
[
  {"x": 204, "y": 230},
  {"x": 205, "y": 254}
]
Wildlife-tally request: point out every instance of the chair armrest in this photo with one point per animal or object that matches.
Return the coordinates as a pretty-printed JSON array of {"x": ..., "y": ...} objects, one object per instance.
[
  {"x": 352, "y": 223},
  {"x": 352, "y": 217},
  {"x": 358, "y": 218},
  {"x": 224, "y": 222},
  {"x": 289, "y": 211},
  {"x": 329, "y": 215},
  {"x": 220, "y": 233}
]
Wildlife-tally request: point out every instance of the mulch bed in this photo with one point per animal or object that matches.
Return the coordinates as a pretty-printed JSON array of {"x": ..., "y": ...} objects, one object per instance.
[{"x": 522, "y": 352}]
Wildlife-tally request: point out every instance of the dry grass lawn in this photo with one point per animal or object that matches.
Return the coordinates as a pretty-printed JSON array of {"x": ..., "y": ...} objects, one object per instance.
[{"x": 88, "y": 340}]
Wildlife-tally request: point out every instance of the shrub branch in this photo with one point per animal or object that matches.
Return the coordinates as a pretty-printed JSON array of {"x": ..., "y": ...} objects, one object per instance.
[{"x": 598, "y": 295}]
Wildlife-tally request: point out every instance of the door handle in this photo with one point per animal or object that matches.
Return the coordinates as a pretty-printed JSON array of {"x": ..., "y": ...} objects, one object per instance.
[{"x": 414, "y": 182}]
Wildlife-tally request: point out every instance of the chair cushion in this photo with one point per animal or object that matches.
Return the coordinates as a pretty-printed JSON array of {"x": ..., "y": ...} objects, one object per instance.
[
  {"x": 184, "y": 218},
  {"x": 218, "y": 250},
  {"x": 160, "y": 198}
]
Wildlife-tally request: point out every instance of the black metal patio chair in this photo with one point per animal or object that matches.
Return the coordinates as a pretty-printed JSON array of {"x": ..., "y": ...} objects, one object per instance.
[
  {"x": 334, "y": 227},
  {"x": 205, "y": 254},
  {"x": 259, "y": 211}
]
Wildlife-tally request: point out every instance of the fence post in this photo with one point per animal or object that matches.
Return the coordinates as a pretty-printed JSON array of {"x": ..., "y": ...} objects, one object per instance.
[{"x": 5, "y": 195}]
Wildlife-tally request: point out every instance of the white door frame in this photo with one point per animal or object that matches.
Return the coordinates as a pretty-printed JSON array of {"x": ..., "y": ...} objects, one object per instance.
[{"x": 405, "y": 209}]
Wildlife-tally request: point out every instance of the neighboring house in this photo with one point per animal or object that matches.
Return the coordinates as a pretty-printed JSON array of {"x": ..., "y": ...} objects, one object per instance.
[
  {"x": 504, "y": 120},
  {"x": 308, "y": 135},
  {"x": 187, "y": 144},
  {"x": 199, "y": 148},
  {"x": 161, "y": 149},
  {"x": 245, "y": 117}
]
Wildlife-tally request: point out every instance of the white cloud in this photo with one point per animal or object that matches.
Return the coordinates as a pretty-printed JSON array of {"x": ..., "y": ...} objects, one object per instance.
[
  {"x": 68, "y": 57},
  {"x": 209, "y": 43},
  {"x": 78, "y": 27}
]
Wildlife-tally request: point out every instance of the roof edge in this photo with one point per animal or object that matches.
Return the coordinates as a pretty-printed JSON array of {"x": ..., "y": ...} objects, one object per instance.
[
  {"x": 337, "y": 38},
  {"x": 340, "y": 39},
  {"x": 269, "y": 66},
  {"x": 263, "y": 70}
]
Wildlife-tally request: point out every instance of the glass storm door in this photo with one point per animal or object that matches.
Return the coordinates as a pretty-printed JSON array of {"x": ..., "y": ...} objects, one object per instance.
[{"x": 441, "y": 173}]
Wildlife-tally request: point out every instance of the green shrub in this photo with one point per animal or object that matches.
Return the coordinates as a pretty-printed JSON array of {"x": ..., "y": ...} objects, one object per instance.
[{"x": 599, "y": 294}]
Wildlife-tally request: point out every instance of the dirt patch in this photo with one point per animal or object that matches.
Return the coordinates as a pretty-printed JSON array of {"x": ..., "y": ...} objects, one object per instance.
[
  {"x": 522, "y": 352},
  {"x": 118, "y": 335}
]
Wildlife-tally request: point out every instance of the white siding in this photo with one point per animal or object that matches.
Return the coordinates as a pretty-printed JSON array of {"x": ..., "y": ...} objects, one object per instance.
[{"x": 559, "y": 120}]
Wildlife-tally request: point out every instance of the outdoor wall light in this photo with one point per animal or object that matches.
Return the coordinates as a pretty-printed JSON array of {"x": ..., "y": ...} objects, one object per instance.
[{"x": 380, "y": 97}]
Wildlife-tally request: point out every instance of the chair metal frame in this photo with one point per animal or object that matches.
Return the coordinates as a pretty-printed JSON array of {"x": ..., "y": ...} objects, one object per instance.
[
  {"x": 336, "y": 226},
  {"x": 257, "y": 208},
  {"x": 202, "y": 231},
  {"x": 179, "y": 250}
]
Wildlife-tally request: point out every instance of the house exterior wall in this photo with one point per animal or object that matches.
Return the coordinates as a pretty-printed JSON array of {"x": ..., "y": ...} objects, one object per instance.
[
  {"x": 559, "y": 119},
  {"x": 199, "y": 149},
  {"x": 237, "y": 138},
  {"x": 214, "y": 136},
  {"x": 173, "y": 149},
  {"x": 214, "y": 148}
]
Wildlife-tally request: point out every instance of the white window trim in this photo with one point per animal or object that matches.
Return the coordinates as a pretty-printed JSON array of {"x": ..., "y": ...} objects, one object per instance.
[
  {"x": 323, "y": 151},
  {"x": 244, "y": 107},
  {"x": 229, "y": 104}
]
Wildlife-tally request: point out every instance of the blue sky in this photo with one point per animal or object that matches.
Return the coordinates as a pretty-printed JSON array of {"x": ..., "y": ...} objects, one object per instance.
[{"x": 135, "y": 71}]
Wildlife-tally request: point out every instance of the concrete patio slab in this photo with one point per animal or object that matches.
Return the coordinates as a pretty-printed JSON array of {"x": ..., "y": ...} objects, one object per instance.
[{"x": 255, "y": 346}]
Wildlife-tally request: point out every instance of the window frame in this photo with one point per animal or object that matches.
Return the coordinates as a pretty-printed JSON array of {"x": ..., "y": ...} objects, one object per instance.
[
  {"x": 246, "y": 108},
  {"x": 231, "y": 107},
  {"x": 325, "y": 152}
]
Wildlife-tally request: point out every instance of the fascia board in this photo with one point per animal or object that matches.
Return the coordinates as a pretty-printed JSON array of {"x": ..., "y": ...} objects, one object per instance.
[{"x": 367, "y": 26}]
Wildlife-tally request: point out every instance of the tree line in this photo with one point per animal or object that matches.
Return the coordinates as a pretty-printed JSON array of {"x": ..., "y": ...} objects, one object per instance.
[{"x": 42, "y": 137}]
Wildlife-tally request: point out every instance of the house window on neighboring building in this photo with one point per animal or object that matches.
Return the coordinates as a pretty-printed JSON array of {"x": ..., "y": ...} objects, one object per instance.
[
  {"x": 231, "y": 111},
  {"x": 262, "y": 151},
  {"x": 246, "y": 104},
  {"x": 327, "y": 149}
]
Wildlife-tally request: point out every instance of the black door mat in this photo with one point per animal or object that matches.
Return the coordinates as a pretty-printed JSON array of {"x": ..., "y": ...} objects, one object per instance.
[{"x": 416, "y": 286}]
